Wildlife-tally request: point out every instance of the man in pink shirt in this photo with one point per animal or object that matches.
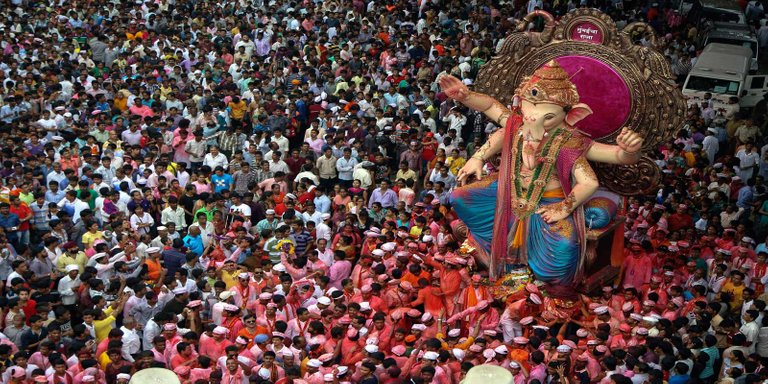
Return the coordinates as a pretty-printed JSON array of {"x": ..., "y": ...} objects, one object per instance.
[
  {"x": 340, "y": 270},
  {"x": 214, "y": 347},
  {"x": 637, "y": 268},
  {"x": 299, "y": 325}
]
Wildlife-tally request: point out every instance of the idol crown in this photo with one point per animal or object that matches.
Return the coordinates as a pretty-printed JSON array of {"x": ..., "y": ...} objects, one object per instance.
[{"x": 549, "y": 84}]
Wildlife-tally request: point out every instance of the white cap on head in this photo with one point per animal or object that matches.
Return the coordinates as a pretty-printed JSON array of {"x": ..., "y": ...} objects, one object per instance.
[
  {"x": 564, "y": 349},
  {"x": 601, "y": 310},
  {"x": 371, "y": 348},
  {"x": 179, "y": 291}
]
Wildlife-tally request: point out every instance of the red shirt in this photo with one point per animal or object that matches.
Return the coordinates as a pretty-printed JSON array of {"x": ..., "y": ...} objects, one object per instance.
[
  {"x": 29, "y": 309},
  {"x": 22, "y": 211}
]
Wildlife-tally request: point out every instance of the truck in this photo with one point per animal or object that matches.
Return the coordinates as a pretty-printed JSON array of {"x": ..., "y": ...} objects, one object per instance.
[
  {"x": 722, "y": 70},
  {"x": 713, "y": 11},
  {"x": 727, "y": 33}
]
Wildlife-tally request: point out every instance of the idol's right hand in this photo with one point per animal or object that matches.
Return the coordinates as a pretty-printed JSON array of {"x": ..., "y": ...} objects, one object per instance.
[{"x": 473, "y": 168}]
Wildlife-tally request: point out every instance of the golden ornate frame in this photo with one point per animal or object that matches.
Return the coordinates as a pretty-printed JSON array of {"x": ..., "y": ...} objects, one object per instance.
[{"x": 657, "y": 105}]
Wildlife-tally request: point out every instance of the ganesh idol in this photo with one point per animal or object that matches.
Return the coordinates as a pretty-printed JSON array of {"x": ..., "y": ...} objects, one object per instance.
[{"x": 530, "y": 211}]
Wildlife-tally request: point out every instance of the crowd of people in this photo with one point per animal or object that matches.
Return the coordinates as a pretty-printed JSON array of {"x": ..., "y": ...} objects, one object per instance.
[{"x": 260, "y": 192}]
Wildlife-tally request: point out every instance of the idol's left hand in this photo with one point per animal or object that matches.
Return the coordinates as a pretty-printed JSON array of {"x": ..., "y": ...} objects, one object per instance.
[
  {"x": 553, "y": 213},
  {"x": 629, "y": 141}
]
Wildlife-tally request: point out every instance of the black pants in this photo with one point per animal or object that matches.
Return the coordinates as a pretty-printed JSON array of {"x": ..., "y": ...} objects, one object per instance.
[{"x": 327, "y": 184}]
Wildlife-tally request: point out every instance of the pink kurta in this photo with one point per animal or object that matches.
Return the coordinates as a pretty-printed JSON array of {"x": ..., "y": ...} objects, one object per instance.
[{"x": 637, "y": 271}]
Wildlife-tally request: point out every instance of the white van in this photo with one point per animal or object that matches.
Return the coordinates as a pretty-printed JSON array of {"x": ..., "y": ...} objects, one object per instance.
[
  {"x": 713, "y": 10},
  {"x": 735, "y": 36},
  {"x": 723, "y": 71},
  {"x": 723, "y": 11}
]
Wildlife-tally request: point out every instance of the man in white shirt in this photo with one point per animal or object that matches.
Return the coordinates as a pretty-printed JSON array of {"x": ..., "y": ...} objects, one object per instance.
[
  {"x": 206, "y": 227},
  {"x": 68, "y": 284},
  {"x": 346, "y": 166},
  {"x": 56, "y": 174},
  {"x": 238, "y": 207},
  {"x": 131, "y": 339},
  {"x": 749, "y": 159},
  {"x": 323, "y": 252},
  {"x": 276, "y": 164},
  {"x": 282, "y": 142},
  {"x": 311, "y": 214},
  {"x": 72, "y": 202},
  {"x": 750, "y": 329},
  {"x": 306, "y": 172},
  {"x": 216, "y": 159},
  {"x": 323, "y": 230},
  {"x": 173, "y": 213},
  {"x": 196, "y": 149},
  {"x": 711, "y": 145},
  {"x": 455, "y": 120}
]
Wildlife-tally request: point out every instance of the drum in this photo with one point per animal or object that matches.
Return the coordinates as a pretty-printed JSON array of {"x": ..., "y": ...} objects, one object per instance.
[{"x": 155, "y": 376}]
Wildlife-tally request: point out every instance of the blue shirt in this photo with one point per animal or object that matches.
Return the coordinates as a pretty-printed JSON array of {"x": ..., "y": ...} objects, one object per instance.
[
  {"x": 194, "y": 244},
  {"x": 301, "y": 240},
  {"x": 52, "y": 197},
  {"x": 346, "y": 167},
  {"x": 679, "y": 379},
  {"x": 322, "y": 204},
  {"x": 173, "y": 259},
  {"x": 745, "y": 197},
  {"x": 709, "y": 370},
  {"x": 387, "y": 199},
  {"x": 222, "y": 182},
  {"x": 8, "y": 221}
]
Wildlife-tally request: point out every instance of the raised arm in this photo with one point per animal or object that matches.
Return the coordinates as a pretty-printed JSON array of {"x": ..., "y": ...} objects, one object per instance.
[
  {"x": 626, "y": 151},
  {"x": 492, "y": 109}
]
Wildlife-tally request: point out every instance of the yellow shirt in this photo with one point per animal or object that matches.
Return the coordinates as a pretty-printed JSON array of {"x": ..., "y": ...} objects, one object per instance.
[
  {"x": 89, "y": 238},
  {"x": 456, "y": 164},
  {"x": 102, "y": 327},
  {"x": 229, "y": 278},
  {"x": 104, "y": 360},
  {"x": 464, "y": 345},
  {"x": 737, "y": 293},
  {"x": 65, "y": 259},
  {"x": 238, "y": 109},
  {"x": 409, "y": 174}
]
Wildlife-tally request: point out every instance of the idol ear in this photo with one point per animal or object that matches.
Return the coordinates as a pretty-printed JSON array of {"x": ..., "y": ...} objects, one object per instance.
[
  {"x": 516, "y": 101},
  {"x": 577, "y": 113}
]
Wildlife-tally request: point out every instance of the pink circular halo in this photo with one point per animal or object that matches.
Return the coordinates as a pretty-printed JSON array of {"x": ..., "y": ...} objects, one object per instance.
[{"x": 603, "y": 90}]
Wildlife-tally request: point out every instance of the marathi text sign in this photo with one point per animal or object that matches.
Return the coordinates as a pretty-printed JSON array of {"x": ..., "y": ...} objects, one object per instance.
[{"x": 587, "y": 32}]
